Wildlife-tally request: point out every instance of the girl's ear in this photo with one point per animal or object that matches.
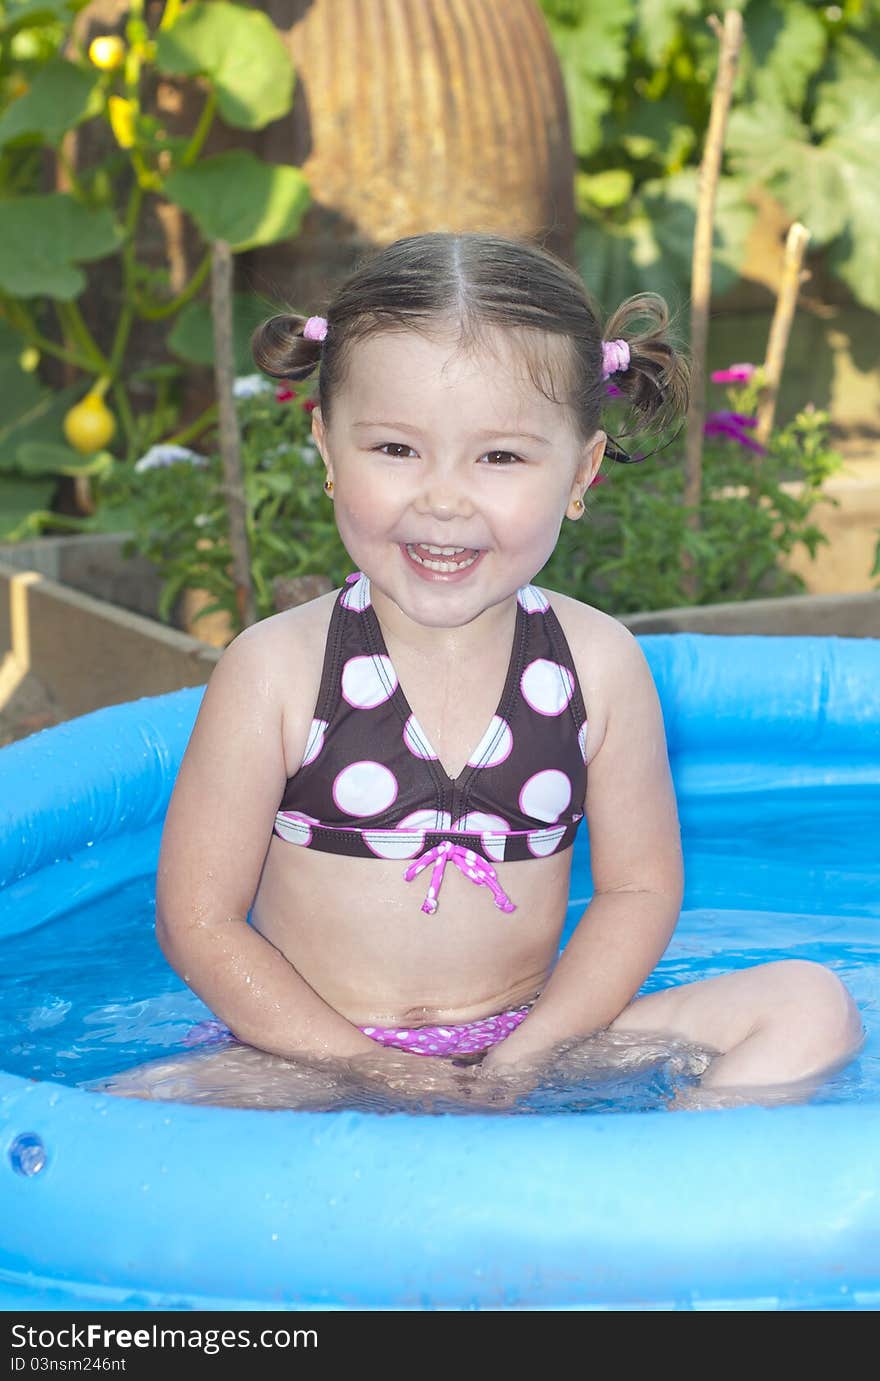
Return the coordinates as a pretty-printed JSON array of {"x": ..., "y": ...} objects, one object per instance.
[
  {"x": 318, "y": 431},
  {"x": 591, "y": 459}
]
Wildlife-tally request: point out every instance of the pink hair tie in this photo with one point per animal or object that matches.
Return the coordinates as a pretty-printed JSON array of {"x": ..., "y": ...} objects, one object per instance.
[
  {"x": 615, "y": 357},
  {"x": 315, "y": 328}
]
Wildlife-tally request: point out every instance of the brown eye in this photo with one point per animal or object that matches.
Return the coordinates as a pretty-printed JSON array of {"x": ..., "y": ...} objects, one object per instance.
[{"x": 506, "y": 458}]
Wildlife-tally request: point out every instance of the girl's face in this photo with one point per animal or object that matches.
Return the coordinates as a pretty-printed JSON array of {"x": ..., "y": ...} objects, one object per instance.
[{"x": 451, "y": 472}]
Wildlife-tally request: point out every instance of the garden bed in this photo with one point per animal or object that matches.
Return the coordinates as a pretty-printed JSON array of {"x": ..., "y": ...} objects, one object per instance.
[{"x": 65, "y": 651}]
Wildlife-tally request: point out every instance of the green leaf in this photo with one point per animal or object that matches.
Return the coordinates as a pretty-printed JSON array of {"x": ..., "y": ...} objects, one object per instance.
[
  {"x": 192, "y": 338},
  {"x": 652, "y": 251},
  {"x": 769, "y": 145},
  {"x": 612, "y": 187},
  {"x": 60, "y": 97},
  {"x": 19, "y": 498},
  {"x": 27, "y": 14},
  {"x": 590, "y": 39},
  {"x": 43, "y": 238},
  {"x": 658, "y": 25},
  {"x": 661, "y": 128},
  {"x": 41, "y": 421},
  {"x": 18, "y": 390},
  {"x": 237, "y": 198},
  {"x": 786, "y": 43},
  {"x": 54, "y": 458},
  {"x": 850, "y": 113},
  {"x": 242, "y": 54}
]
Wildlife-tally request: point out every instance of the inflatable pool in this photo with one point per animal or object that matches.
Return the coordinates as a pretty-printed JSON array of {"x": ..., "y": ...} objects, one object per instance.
[{"x": 121, "y": 1204}]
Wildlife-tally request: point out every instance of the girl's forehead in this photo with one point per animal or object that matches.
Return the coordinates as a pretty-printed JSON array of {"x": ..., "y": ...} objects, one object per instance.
[{"x": 411, "y": 364}]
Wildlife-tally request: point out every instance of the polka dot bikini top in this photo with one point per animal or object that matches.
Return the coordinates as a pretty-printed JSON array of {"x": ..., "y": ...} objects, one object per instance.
[{"x": 371, "y": 785}]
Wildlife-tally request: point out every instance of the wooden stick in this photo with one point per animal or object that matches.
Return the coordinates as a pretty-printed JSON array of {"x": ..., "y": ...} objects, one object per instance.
[
  {"x": 730, "y": 35},
  {"x": 780, "y": 328},
  {"x": 230, "y": 439}
]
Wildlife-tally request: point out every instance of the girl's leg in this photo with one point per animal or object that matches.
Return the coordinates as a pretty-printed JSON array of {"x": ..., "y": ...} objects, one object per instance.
[
  {"x": 233, "y": 1075},
  {"x": 780, "y": 1023}
]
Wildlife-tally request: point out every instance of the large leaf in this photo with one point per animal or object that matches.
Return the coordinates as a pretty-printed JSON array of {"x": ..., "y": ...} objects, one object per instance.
[
  {"x": 19, "y": 497},
  {"x": 658, "y": 24},
  {"x": 768, "y": 144},
  {"x": 787, "y": 42},
  {"x": 652, "y": 251},
  {"x": 590, "y": 38},
  {"x": 18, "y": 391},
  {"x": 237, "y": 198},
  {"x": 42, "y": 239},
  {"x": 24, "y": 14},
  {"x": 40, "y": 421},
  {"x": 55, "y": 458},
  {"x": 851, "y": 113},
  {"x": 833, "y": 187},
  {"x": 192, "y": 338},
  {"x": 661, "y": 129},
  {"x": 60, "y": 97},
  {"x": 241, "y": 53}
]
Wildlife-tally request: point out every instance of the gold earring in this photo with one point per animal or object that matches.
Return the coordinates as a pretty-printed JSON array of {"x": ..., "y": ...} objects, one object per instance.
[
  {"x": 577, "y": 505},
  {"x": 328, "y": 486}
]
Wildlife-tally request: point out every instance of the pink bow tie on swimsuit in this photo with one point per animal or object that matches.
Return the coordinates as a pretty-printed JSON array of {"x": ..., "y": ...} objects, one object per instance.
[{"x": 468, "y": 863}]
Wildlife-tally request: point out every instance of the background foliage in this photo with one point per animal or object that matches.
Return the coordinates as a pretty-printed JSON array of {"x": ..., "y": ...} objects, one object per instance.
[
  {"x": 805, "y": 126},
  {"x": 52, "y": 90}
]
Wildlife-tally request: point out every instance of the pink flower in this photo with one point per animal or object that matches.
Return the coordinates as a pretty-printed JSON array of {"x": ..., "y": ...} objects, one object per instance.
[
  {"x": 283, "y": 394},
  {"x": 733, "y": 374},
  {"x": 310, "y": 404},
  {"x": 599, "y": 479},
  {"x": 733, "y": 425}
]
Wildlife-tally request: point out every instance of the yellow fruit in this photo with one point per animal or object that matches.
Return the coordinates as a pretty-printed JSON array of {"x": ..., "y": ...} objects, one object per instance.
[
  {"x": 29, "y": 359},
  {"x": 122, "y": 114},
  {"x": 107, "y": 52},
  {"x": 89, "y": 425}
]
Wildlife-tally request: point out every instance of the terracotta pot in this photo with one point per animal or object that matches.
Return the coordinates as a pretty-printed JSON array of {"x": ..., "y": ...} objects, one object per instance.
[{"x": 417, "y": 115}]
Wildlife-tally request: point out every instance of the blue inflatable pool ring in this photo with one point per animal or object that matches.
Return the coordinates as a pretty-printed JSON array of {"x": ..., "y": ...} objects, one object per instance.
[{"x": 128, "y": 1204}]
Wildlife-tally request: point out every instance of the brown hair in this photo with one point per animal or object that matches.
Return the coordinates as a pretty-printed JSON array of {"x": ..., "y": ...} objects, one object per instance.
[{"x": 479, "y": 280}]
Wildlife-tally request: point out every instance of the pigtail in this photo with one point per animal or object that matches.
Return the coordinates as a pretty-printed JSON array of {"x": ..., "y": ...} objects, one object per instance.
[
  {"x": 280, "y": 349},
  {"x": 655, "y": 384}
]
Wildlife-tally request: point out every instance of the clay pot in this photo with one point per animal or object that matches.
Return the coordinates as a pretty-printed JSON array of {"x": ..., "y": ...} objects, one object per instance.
[{"x": 416, "y": 115}]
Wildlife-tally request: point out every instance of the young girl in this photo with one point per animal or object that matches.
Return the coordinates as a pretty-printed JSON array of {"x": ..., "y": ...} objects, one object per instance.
[{"x": 389, "y": 778}]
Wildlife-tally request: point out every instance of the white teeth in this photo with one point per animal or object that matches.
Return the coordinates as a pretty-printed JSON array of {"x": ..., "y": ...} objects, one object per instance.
[{"x": 442, "y": 566}]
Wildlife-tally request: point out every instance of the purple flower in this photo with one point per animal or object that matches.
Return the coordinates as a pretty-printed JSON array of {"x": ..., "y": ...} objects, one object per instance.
[
  {"x": 613, "y": 391},
  {"x": 733, "y": 374},
  {"x": 732, "y": 425}
]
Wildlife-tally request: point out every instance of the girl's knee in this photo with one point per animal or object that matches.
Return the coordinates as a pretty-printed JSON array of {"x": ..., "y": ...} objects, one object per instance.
[{"x": 824, "y": 1000}]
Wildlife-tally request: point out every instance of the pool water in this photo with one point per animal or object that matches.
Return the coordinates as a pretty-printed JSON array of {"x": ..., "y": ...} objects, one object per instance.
[{"x": 89, "y": 994}]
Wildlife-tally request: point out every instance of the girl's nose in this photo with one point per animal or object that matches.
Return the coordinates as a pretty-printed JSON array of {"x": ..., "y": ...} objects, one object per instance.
[{"x": 444, "y": 497}]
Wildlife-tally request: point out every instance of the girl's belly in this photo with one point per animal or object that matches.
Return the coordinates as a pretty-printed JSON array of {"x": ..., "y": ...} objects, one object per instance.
[{"x": 354, "y": 930}]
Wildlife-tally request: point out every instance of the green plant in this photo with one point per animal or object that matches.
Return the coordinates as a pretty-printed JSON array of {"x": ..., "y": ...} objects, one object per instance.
[
  {"x": 50, "y": 91},
  {"x": 756, "y": 504},
  {"x": 805, "y": 126},
  {"x": 180, "y": 518}
]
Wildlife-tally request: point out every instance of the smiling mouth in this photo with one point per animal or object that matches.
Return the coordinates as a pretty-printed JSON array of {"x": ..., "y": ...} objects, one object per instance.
[{"x": 441, "y": 559}]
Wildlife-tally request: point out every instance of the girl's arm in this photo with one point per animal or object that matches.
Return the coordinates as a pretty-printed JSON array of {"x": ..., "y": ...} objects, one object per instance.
[
  {"x": 214, "y": 844},
  {"x": 636, "y": 862}
]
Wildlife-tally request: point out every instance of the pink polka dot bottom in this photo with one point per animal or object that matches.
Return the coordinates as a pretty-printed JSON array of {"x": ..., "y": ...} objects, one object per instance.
[
  {"x": 468, "y": 1038},
  {"x": 465, "y": 1039}
]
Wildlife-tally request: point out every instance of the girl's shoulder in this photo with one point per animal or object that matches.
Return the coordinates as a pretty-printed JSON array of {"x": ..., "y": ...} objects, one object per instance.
[
  {"x": 605, "y": 654},
  {"x": 281, "y": 655},
  {"x": 598, "y": 633},
  {"x": 300, "y": 631}
]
